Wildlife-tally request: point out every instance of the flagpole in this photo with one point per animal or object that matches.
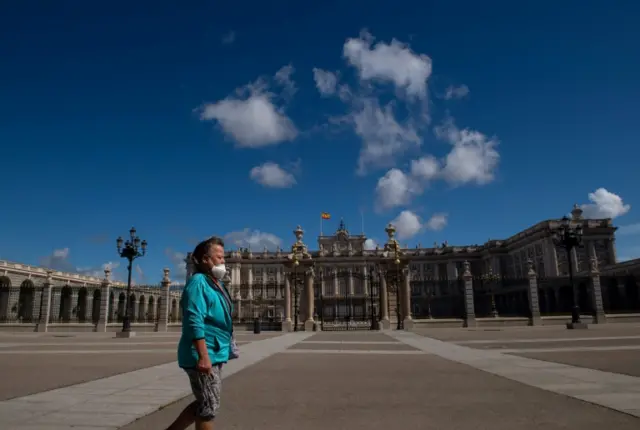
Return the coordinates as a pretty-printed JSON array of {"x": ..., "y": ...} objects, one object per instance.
[
  {"x": 321, "y": 224},
  {"x": 362, "y": 220}
]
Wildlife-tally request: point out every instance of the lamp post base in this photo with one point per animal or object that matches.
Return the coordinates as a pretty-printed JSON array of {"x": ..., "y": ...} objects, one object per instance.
[
  {"x": 125, "y": 334},
  {"x": 577, "y": 326}
]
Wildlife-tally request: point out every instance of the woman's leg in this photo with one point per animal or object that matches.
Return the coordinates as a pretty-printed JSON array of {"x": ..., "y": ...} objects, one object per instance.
[{"x": 206, "y": 389}]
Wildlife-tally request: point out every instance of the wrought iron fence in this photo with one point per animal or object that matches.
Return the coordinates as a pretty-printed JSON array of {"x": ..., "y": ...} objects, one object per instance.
[
  {"x": 556, "y": 295},
  {"x": 20, "y": 305},
  {"x": 620, "y": 293}
]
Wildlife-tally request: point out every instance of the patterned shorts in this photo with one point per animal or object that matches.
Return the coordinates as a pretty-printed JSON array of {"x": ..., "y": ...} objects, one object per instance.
[{"x": 206, "y": 389}]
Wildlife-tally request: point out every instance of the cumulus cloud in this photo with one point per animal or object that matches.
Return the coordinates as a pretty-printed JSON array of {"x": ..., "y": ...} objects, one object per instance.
[
  {"x": 394, "y": 189},
  {"x": 370, "y": 244},
  {"x": 272, "y": 175},
  {"x": 604, "y": 204},
  {"x": 407, "y": 224},
  {"x": 326, "y": 82},
  {"x": 59, "y": 260},
  {"x": 473, "y": 158},
  {"x": 437, "y": 222},
  {"x": 456, "y": 92},
  {"x": 251, "y": 117},
  {"x": 392, "y": 62},
  {"x": 255, "y": 240}
]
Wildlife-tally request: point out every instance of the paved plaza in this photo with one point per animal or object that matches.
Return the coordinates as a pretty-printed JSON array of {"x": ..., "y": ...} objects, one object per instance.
[{"x": 480, "y": 378}]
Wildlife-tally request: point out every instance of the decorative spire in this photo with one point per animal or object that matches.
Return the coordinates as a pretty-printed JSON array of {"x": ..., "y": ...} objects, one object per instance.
[{"x": 576, "y": 213}]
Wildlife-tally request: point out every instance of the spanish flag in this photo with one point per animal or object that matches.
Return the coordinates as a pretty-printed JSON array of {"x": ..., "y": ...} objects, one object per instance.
[{"x": 325, "y": 215}]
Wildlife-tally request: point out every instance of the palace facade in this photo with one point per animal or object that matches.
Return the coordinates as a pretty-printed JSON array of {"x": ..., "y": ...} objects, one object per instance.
[{"x": 344, "y": 280}]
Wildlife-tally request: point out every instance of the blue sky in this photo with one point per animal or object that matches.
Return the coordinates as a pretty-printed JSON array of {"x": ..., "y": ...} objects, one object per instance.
[{"x": 462, "y": 121}]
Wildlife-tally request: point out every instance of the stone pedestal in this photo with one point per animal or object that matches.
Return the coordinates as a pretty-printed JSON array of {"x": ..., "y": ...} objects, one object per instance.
[
  {"x": 385, "y": 324},
  {"x": 408, "y": 324},
  {"x": 125, "y": 334},
  {"x": 308, "y": 325},
  {"x": 287, "y": 326},
  {"x": 577, "y": 326}
]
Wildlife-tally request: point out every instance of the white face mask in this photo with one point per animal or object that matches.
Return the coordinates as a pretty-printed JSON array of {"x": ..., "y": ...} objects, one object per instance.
[{"x": 219, "y": 271}]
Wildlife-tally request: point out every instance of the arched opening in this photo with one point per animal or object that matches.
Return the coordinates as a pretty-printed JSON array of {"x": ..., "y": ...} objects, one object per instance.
[
  {"x": 158, "y": 308},
  {"x": 81, "y": 305},
  {"x": 174, "y": 310},
  {"x": 5, "y": 293},
  {"x": 64, "y": 314},
  {"x": 121, "y": 305},
  {"x": 26, "y": 302},
  {"x": 151, "y": 310},
  {"x": 95, "y": 306},
  {"x": 142, "y": 304},
  {"x": 132, "y": 307}
]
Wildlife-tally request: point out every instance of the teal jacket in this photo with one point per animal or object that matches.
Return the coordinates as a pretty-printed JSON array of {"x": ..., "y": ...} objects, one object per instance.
[{"x": 205, "y": 315}]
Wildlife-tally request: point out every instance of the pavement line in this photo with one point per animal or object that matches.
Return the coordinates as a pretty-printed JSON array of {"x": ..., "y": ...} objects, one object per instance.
[
  {"x": 103, "y": 343},
  {"x": 352, "y": 342},
  {"x": 351, "y": 351},
  {"x": 570, "y": 349},
  {"x": 565, "y": 339},
  {"x": 611, "y": 390},
  {"x": 116, "y": 401}
]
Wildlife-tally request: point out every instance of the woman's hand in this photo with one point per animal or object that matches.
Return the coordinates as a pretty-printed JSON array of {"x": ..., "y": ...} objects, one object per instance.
[{"x": 204, "y": 364}]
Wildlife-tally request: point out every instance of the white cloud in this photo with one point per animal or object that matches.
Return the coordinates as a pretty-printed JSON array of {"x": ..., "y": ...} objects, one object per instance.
[
  {"x": 454, "y": 92},
  {"x": 437, "y": 222},
  {"x": 59, "y": 260},
  {"x": 383, "y": 137},
  {"x": 255, "y": 240},
  {"x": 254, "y": 120},
  {"x": 425, "y": 168},
  {"x": 474, "y": 157},
  {"x": 272, "y": 175},
  {"x": 392, "y": 62},
  {"x": 283, "y": 78},
  {"x": 605, "y": 204},
  {"x": 407, "y": 224},
  {"x": 629, "y": 229},
  {"x": 370, "y": 244},
  {"x": 394, "y": 189},
  {"x": 325, "y": 81}
]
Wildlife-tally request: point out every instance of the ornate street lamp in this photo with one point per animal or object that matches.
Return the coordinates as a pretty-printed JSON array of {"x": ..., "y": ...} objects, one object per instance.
[
  {"x": 491, "y": 279},
  {"x": 133, "y": 248},
  {"x": 569, "y": 236}
]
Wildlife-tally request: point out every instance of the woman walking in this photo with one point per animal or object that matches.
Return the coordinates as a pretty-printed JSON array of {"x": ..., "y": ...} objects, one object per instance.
[{"x": 207, "y": 334}]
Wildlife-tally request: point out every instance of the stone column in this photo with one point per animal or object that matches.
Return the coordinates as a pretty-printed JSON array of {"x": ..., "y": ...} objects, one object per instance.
[
  {"x": 551, "y": 265},
  {"x": 406, "y": 300},
  {"x": 105, "y": 291},
  {"x": 45, "y": 304},
  {"x": 250, "y": 283},
  {"x": 534, "y": 302},
  {"x": 470, "y": 312},
  {"x": 308, "y": 278},
  {"x": 596, "y": 292},
  {"x": 385, "y": 323},
  {"x": 288, "y": 325},
  {"x": 365, "y": 280},
  {"x": 351, "y": 292},
  {"x": 163, "y": 318}
]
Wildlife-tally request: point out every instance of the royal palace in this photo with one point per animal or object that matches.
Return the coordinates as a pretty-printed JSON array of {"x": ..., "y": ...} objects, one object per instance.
[{"x": 538, "y": 276}]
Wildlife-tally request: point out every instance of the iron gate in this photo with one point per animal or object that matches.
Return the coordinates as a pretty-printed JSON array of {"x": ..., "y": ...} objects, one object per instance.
[{"x": 347, "y": 300}]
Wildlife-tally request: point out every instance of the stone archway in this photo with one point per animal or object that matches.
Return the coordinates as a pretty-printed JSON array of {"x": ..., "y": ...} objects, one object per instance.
[
  {"x": 158, "y": 308},
  {"x": 142, "y": 311},
  {"x": 5, "y": 293},
  {"x": 26, "y": 302},
  {"x": 95, "y": 306},
  {"x": 66, "y": 306},
  {"x": 174, "y": 310},
  {"x": 151, "y": 309},
  {"x": 81, "y": 305},
  {"x": 121, "y": 306}
]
